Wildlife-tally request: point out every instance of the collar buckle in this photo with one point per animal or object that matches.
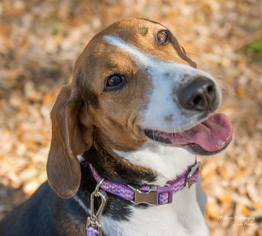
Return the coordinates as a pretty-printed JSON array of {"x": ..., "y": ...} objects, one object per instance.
[{"x": 150, "y": 197}]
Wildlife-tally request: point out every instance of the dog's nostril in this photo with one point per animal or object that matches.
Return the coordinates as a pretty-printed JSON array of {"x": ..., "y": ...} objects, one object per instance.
[
  {"x": 197, "y": 100},
  {"x": 210, "y": 89},
  {"x": 198, "y": 95}
]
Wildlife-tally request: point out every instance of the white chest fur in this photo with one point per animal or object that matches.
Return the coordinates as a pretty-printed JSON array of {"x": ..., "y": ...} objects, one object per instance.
[{"x": 182, "y": 218}]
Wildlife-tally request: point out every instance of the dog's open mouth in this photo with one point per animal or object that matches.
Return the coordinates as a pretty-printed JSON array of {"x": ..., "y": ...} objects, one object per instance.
[{"x": 209, "y": 137}]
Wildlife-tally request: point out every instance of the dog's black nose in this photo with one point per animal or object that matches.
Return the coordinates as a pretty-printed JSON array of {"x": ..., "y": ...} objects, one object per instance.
[{"x": 198, "y": 95}]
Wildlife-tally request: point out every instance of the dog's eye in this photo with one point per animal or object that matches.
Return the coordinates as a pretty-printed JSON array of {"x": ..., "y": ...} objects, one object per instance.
[
  {"x": 162, "y": 37},
  {"x": 114, "y": 82}
]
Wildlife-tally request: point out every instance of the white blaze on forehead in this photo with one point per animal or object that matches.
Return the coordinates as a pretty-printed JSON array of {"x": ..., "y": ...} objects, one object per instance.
[
  {"x": 120, "y": 43},
  {"x": 166, "y": 78},
  {"x": 143, "y": 58}
]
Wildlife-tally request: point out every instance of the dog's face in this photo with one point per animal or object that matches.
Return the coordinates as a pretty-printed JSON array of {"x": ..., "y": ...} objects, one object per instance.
[{"x": 132, "y": 84}]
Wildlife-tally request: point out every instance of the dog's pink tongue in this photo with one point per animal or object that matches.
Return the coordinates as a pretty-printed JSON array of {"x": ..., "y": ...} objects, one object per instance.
[{"x": 212, "y": 135}]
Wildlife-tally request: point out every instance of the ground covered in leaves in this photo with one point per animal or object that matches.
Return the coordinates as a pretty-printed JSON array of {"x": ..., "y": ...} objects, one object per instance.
[{"x": 39, "y": 41}]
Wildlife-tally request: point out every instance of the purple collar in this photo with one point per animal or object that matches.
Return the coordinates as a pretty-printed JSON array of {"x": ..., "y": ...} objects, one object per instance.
[{"x": 150, "y": 194}]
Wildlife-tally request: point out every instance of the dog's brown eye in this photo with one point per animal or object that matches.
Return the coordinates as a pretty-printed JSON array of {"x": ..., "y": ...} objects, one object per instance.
[
  {"x": 115, "y": 82},
  {"x": 162, "y": 37}
]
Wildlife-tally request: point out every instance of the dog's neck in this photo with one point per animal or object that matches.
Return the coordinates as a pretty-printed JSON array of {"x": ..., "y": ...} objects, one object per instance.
[
  {"x": 165, "y": 161},
  {"x": 160, "y": 164},
  {"x": 153, "y": 163},
  {"x": 115, "y": 168}
]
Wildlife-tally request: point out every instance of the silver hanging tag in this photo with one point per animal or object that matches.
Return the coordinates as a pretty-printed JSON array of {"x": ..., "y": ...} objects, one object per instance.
[{"x": 94, "y": 226}]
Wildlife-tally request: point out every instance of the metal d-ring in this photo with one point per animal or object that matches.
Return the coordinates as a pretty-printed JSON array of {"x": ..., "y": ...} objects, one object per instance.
[
  {"x": 99, "y": 185},
  {"x": 192, "y": 170}
]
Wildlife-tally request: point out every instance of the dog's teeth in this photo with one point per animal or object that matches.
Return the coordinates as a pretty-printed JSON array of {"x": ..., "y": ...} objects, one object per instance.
[{"x": 220, "y": 143}]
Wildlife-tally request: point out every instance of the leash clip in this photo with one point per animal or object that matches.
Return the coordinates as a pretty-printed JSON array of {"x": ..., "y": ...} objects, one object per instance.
[{"x": 94, "y": 226}]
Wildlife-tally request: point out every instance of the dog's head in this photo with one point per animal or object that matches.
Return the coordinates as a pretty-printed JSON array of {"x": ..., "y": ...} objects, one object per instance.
[{"x": 132, "y": 84}]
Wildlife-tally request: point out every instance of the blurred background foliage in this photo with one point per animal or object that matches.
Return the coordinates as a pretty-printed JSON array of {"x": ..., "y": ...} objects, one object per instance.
[{"x": 39, "y": 42}]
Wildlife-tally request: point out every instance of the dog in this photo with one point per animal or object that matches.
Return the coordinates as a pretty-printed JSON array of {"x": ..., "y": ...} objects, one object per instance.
[{"x": 135, "y": 114}]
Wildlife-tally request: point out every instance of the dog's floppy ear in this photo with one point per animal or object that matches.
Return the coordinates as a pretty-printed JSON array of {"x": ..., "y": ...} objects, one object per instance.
[{"x": 63, "y": 168}]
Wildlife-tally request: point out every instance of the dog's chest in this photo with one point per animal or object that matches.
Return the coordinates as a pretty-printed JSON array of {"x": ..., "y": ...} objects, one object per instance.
[
  {"x": 153, "y": 221},
  {"x": 180, "y": 218}
]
